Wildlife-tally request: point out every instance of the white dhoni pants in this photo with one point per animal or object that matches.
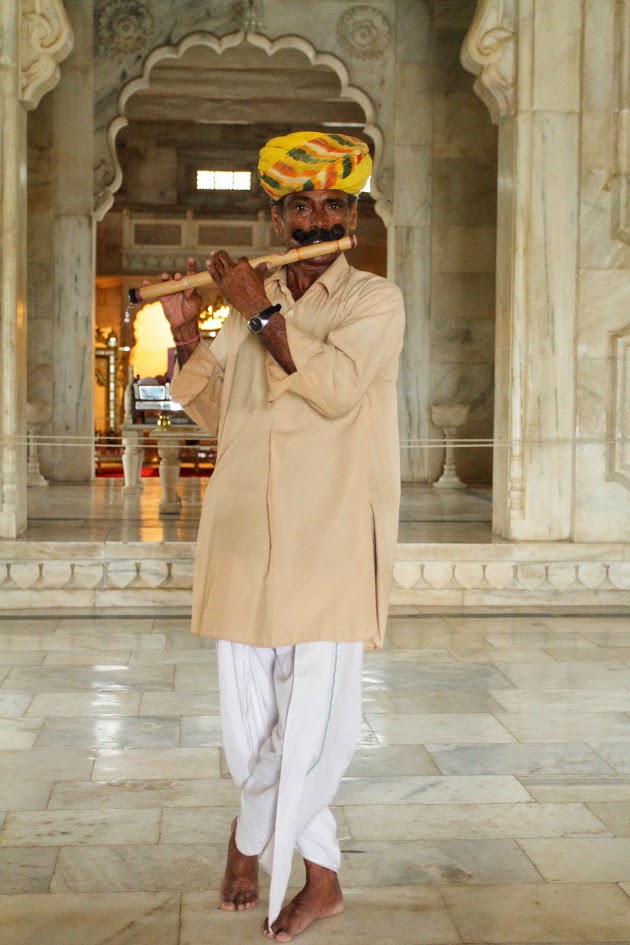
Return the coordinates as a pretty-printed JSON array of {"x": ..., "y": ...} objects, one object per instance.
[{"x": 291, "y": 717}]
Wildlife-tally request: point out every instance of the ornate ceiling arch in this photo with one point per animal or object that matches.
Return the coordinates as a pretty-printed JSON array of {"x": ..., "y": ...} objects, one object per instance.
[{"x": 108, "y": 172}]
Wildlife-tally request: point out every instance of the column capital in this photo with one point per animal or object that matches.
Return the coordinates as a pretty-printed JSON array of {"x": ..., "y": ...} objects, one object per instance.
[
  {"x": 46, "y": 38},
  {"x": 488, "y": 52}
]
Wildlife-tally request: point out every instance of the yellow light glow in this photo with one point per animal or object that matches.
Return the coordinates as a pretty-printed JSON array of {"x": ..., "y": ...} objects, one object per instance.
[
  {"x": 153, "y": 338},
  {"x": 214, "y": 320}
]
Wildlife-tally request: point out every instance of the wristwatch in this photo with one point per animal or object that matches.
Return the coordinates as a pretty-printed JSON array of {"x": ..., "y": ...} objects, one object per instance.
[{"x": 258, "y": 323}]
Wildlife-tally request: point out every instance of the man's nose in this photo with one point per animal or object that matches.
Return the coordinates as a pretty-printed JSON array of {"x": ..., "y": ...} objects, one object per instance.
[{"x": 319, "y": 218}]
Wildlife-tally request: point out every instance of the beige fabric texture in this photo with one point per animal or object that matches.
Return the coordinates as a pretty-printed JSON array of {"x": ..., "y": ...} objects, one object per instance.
[{"x": 299, "y": 522}]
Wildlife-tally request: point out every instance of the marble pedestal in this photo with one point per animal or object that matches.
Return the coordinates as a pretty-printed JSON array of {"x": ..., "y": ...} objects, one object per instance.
[{"x": 449, "y": 418}]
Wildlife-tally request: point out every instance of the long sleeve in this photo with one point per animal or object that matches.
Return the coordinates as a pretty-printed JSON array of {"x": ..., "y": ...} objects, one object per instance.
[
  {"x": 198, "y": 386},
  {"x": 333, "y": 375}
]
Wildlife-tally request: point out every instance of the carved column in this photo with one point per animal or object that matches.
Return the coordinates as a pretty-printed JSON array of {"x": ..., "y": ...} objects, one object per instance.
[
  {"x": 526, "y": 56},
  {"x": 34, "y": 37}
]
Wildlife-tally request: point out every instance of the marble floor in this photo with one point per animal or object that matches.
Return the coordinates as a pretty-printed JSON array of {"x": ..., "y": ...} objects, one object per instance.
[
  {"x": 488, "y": 800},
  {"x": 98, "y": 511}
]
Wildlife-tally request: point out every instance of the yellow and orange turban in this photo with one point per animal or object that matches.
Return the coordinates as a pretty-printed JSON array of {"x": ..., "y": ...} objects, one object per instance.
[{"x": 313, "y": 160}]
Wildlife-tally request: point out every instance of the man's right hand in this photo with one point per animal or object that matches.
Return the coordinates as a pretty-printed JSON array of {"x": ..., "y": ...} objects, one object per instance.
[{"x": 182, "y": 309}]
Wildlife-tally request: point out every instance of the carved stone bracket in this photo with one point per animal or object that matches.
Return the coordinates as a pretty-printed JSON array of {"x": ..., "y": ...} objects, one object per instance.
[
  {"x": 46, "y": 38},
  {"x": 488, "y": 52}
]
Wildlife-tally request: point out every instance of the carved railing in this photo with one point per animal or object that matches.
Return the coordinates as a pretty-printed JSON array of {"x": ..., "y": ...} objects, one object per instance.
[{"x": 155, "y": 243}]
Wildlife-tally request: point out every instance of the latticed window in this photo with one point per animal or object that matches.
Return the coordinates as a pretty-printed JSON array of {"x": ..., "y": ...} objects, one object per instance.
[{"x": 224, "y": 180}]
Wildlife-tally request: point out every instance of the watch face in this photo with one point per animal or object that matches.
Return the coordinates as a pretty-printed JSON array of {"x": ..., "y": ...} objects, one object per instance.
[{"x": 255, "y": 324}]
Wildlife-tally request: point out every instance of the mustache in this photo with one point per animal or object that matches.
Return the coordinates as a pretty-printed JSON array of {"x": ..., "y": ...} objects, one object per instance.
[{"x": 318, "y": 233}]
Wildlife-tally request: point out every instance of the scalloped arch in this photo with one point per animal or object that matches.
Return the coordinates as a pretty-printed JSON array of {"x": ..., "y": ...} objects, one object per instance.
[{"x": 219, "y": 44}]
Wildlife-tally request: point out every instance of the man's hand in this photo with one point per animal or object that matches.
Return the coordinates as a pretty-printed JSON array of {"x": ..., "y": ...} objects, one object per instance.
[
  {"x": 181, "y": 309},
  {"x": 240, "y": 285}
]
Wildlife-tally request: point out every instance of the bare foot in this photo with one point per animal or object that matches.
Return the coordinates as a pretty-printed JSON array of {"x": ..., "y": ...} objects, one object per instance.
[
  {"x": 320, "y": 899},
  {"x": 239, "y": 889}
]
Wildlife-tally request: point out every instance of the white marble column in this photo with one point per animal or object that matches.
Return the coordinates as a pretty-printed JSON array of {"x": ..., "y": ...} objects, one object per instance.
[
  {"x": 409, "y": 234},
  {"x": 526, "y": 54},
  {"x": 33, "y": 39},
  {"x": 73, "y": 254},
  {"x": 13, "y": 280}
]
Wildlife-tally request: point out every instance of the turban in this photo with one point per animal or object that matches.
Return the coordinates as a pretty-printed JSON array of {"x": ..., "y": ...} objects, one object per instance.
[{"x": 313, "y": 160}]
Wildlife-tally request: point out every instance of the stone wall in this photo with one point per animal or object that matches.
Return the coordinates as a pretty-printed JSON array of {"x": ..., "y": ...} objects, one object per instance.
[{"x": 602, "y": 466}]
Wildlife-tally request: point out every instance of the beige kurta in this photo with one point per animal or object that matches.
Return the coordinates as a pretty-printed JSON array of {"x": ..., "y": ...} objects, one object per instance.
[{"x": 299, "y": 523}]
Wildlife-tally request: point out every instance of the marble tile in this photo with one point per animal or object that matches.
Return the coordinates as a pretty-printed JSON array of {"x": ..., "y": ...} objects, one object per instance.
[
  {"x": 377, "y": 863},
  {"x": 86, "y": 658},
  {"x": 196, "y": 825},
  {"x": 567, "y": 726},
  {"x": 24, "y": 795},
  {"x": 612, "y": 788},
  {"x": 14, "y": 705},
  {"x": 26, "y": 871},
  {"x": 45, "y": 765},
  {"x": 144, "y": 868},
  {"x": 73, "y": 704},
  {"x": 179, "y": 703},
  {"x": 86, "y": 919},
  {"x": 611, "y": 673},
  {"x": 470, "y": 789},
  {"x": 120, "y": 733},
  {"x": 371, "y": 760},
  {"x": 438, "y": 676},
  {"x": 101, "y": 677},
  {"x": 21, "y": 658},
  {"x": 497, "y": 655},
  {"x": 563, "y": 700},
  {"x": 471, "y": 821},
  {"x": 107, "y": 640},
  {"x": 195, "y": 678},
  {"x": 173, "y": 656},
  {"x": 104, "y": 625},
  {"x": 201, "y": 731},
  {"x": 19, "y": 733},
  {"x": 505, "y": 915},
  {"x": 616, "y": 816},
  {"x": 449, "y": 727},
  {"x": 551, "y": 758},
  {"x": 93, "y": 795},
  {"x": 145, "y": 764},
  {"x": 616, "y": 754},
  {"x": 402, "y": 915},
  {"x": 62, "y": 828},
  {"x": 467, "y": 701},
  {"x": 580, "y": 860},
  {"x": 592, "y": 653}
]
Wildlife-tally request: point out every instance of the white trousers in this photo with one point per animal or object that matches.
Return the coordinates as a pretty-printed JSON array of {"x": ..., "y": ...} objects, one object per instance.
[{"x": 291, "y": 717}]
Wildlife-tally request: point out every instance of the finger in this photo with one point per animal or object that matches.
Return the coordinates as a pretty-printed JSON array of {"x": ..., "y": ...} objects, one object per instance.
[
  {"x": 192, "y": 264},
  {"x": 263, "y": 267}
]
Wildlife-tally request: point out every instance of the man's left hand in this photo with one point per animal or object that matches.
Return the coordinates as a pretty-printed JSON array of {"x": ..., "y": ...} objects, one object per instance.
[{"x": 241, "y": 285}]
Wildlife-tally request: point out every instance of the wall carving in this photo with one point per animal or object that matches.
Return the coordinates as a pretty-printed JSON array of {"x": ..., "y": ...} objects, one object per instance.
[
  {"x": 161, "y": 574},
  {"x": 46, "y": 38},
  {"x": 619, "y": 407},
  {"x": 124, "y": 25},
  {"x": 488, "y": 52},
  {"x": 364, "y": 32}
]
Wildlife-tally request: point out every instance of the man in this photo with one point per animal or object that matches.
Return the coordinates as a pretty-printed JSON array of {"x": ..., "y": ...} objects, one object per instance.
[{"x": 298, "y": 529}]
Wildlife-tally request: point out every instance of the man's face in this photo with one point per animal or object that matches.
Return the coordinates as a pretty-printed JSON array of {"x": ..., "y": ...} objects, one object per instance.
[{"x": 314, "y": 216}]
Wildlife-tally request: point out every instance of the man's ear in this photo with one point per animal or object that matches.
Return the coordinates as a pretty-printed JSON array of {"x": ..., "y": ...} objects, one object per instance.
[
  {"x": 276, "y": 217},
  {"x": 354, "y": 207}
]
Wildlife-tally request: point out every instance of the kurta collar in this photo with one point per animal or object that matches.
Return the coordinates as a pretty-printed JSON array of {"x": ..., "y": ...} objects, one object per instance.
[{"x": 329, "y": 279}]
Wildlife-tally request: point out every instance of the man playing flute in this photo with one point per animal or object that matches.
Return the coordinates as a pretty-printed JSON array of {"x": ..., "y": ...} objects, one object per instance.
[{"x": 299, "y": 523}]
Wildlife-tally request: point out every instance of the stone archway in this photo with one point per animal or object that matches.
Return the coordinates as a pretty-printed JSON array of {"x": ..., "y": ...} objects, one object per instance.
[{"x": 381, "y": 181}]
